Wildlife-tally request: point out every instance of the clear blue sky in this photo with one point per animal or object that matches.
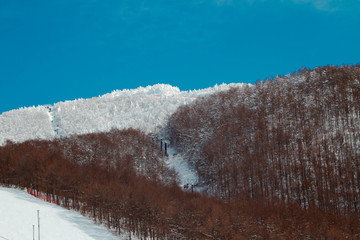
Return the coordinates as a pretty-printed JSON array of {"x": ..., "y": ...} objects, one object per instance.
[{"x": 60, "y": 50}]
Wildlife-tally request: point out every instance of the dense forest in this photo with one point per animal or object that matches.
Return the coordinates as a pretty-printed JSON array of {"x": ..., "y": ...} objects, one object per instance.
[
  {"x": 294, "y": 138},
  {"x": 278, "y": 160}
]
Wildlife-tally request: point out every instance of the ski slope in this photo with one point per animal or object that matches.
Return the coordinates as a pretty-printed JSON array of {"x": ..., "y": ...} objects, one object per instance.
[
  {"x": 187, "y": 175},
  {"x": 18, "y": 214},
  {"x": 144, "y": 108}
]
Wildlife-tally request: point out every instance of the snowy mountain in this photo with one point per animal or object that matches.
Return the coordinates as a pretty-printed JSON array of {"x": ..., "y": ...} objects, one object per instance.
[
  {"x": 145, "y": 108},
  {"x": 278, "y": 159}
]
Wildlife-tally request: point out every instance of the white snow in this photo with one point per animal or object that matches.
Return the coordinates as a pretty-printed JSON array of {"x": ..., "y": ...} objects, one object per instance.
[
  {"x": 25, "y": 123},
  {"x": 144, "y": 108},
  {"x": 18, "y": 214},
  {"x": 187, "y": 175}
]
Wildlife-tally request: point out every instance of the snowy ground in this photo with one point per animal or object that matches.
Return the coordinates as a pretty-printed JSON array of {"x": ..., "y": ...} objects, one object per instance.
[
  {"x": 187, "y": 176},
  {"x": 18, "y": 214}
]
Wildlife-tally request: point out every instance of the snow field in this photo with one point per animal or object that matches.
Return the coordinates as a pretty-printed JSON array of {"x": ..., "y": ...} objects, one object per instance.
[{"x": 18, "y": 214}]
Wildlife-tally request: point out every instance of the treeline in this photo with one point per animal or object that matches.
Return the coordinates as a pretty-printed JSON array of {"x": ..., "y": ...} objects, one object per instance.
[
  {"x": 99, "y": 176},
  {"x": 294, "y": 139}
]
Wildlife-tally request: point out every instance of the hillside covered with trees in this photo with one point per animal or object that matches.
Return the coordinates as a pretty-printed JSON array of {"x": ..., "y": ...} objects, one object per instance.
[
  {"x": 293, "y": 138},
  {"x": 277, "y": 160}
]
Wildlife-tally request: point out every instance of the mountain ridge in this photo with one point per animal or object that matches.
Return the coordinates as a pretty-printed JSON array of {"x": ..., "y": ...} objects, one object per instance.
[{"x": 144, "y": 108}]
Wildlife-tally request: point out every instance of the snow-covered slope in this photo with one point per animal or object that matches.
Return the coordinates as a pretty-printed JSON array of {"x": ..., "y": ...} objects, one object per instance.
[
  {"x": 187, "y": 175},
  {"x": 18, "y": 211},
  {"x": 25, "y": 123},
  {"x": 145, "y": 108}
]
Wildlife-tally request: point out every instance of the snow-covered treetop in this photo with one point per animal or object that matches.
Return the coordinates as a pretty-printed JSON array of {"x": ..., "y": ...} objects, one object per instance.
[{"x": 144, "y": 108}]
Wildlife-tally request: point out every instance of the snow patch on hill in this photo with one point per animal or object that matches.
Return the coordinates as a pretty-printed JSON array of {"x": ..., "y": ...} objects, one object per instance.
[
  {"x": 144, "y": 108},
  {"x": 25, "y": 123},
  {"x": 187, "y": 176},
  {"x": 18, "y": 211}
]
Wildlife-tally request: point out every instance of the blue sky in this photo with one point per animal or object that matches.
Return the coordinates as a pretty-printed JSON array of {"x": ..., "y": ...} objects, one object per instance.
[{"x": 60, "y": 50}]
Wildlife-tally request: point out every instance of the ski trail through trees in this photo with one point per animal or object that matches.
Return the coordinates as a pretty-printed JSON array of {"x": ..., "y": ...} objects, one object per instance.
[
  {"x": 188, "y": 177},
  {"x": 54, "y": 119}
]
